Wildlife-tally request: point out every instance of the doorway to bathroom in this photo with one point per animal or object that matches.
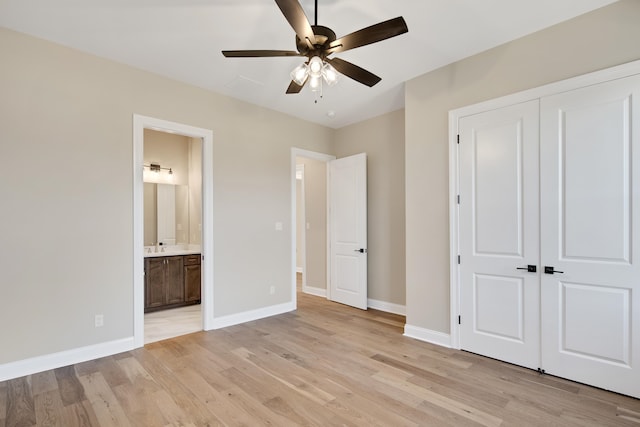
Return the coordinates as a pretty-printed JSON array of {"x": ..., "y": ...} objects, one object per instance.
[{"x": 173, "y": 245}]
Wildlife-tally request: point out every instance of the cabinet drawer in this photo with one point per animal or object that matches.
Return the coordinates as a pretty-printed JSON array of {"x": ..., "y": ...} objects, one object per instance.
[{"x": 192, "y": 259}]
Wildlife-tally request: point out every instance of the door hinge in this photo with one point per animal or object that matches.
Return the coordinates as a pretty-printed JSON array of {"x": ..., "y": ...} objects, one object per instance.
[
  {"x": 459, "y": 320},
  {"x": 458, "y": 138},
  {"x": 458, "y": 199},
  {"x": 541, "y": 371},
  {"x": 458, "y": 259}
]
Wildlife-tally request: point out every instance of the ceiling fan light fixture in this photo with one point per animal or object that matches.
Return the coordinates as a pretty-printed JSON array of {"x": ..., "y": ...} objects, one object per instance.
[
  {"x": 315, "y": 66},
  {"x": 315, "y": 83},
  {"x": 317, "y": 42},
  {"x": 330, "y": 74},
  {"x": 300, "y": 73}
]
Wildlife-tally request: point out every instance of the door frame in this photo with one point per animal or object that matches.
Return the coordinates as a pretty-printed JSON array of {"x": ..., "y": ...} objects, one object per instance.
[
  {"x": 326, "y": 158},
  {"x": 620, "y": 71},
  {"x": 140, "y": 123}
]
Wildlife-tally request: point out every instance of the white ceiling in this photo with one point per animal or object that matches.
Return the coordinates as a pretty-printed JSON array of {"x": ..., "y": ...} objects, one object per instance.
[{"x": 182, "y": 39}]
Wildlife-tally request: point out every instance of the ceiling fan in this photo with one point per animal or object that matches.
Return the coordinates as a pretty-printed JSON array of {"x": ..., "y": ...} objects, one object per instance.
[{"x": 317, "y": 42}]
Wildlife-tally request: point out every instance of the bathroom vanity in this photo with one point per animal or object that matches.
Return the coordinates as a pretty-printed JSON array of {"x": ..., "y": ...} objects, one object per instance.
[{"x": 171, "y": 280}]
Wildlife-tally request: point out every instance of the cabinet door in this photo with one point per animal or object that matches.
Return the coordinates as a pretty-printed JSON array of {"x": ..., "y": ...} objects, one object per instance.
[
  {"x": 174, "y": 282},
  {"x": 192, "y": 283},
  {"x": 154, "y": 283}
]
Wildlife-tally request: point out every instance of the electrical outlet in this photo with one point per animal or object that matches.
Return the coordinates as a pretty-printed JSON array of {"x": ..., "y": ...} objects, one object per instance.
[
  {"x": 99, "y": 320},
  {"x": 272, "y": 290}
]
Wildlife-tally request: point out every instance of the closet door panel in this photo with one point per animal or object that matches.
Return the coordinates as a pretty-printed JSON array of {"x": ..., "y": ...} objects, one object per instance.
[
  {"x": 499, "y": 297},
  {"x": 590, "y": 200}
]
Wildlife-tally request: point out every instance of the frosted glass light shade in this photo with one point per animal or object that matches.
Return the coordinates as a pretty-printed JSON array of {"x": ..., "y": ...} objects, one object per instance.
[
  {"x": 315, "y": 66},
  {"x": 300, "y": 73},
  {"x": 315, "y": 83},
  {"x": 330, "y": 74}
]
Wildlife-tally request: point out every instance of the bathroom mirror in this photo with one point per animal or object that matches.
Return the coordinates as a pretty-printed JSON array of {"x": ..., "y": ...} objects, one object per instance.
[{"x": 166, "y": 214}]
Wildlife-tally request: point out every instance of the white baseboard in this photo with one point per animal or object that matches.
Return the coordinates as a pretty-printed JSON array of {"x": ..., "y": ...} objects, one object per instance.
[
  {"x": 319, "y": 292},
  {"x": 33, "y": 365},
  {"x": 389, "y": 307},
  {"x": 248, "y": 316},
  {"x": 427, "y": 335}
]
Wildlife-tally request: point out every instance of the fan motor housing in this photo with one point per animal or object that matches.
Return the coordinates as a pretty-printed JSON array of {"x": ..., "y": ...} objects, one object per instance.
[{"x": 324, "y": 37}]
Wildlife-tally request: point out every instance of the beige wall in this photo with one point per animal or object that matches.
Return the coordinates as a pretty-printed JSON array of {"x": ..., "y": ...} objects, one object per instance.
[
  {"x": 382, "y": 138},
  {"x": 66, "y": 179},
  {"x": 600, "y": 39},
  {"x": 169, "y": 151},
  {"x": 315, "y": 192}
]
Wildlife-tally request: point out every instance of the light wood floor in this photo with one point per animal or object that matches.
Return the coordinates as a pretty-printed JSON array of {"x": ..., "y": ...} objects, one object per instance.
[{"x": 323, "y": 365}]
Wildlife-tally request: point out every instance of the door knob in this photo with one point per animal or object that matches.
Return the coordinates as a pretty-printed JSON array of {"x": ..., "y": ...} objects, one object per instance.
[
  {"x": 361, "y": 250},
  {"x": 530, "y": 268},
  {"x": 551, "y": 270}
]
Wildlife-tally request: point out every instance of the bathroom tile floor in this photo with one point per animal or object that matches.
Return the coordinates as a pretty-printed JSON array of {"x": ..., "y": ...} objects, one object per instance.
[{"x": 161, "y": 325}]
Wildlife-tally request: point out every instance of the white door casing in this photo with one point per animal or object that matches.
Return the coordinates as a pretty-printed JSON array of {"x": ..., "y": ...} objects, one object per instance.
[
  {"x": 348, "y": 232},
  {"x": 498, "y": 219},
  {"x": 140, "y": 123},
  {"x": 590, "y": 199}
]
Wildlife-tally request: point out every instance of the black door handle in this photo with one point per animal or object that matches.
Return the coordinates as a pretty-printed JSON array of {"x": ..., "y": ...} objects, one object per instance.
[
  {"x": 550, "y": 270},
  {"x": 361, "y": 250},
  {"x": 530, "y": 268}
]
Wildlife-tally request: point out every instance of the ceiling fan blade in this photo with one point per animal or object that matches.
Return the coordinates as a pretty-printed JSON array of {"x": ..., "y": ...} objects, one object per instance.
[
  {"x": 294, "y": 14},
  {"x": 373, "y": 34},
  {"x": 353, "y": 71},
  {"x": 294, "y": 87},
  {"x": 258, "y": 53}
]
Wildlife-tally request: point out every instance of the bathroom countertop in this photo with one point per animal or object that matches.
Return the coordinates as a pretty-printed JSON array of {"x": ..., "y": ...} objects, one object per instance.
[{"x": 172, "y": 252}]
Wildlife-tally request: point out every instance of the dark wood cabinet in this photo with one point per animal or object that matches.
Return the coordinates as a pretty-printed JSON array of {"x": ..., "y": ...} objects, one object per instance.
[
  {"x": 174, "y": 280},
  {"x": 171, "y": 281},
  {"x": 154, "y": 293},
  {"x": 192, "y": 278}
]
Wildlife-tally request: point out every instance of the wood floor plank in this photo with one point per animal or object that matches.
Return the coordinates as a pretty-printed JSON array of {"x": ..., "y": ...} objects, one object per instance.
[
  {"x": 71, "y": 391},
  {"x": 3, "y": 402},
  {"x": 459, "y": 408},
  {"x": 173, "y": 382},
  {"x": 80, "y": 414},
  {"x": 20, "y": 406},
  {"x": 139, "y": 406},
  {"x": 112, "y": 371},
  {"x": 103, "y": 401},
  {"x": 43, "y": 382},
  {"x": 49, "y": 409},
  {"x": 217, "y": 407}
]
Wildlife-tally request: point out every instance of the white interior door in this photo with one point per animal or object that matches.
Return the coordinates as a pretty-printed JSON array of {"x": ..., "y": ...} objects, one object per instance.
[
  {"x": 590, "y": 220},
  {"x": 348, "y": 221},
  {"x": 498, "y": 220}
]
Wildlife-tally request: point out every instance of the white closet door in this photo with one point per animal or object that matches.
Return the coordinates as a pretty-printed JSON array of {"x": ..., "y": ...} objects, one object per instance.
[
  {"x": 499, "y": 235},
  {"x": 590, "y": 225}
]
